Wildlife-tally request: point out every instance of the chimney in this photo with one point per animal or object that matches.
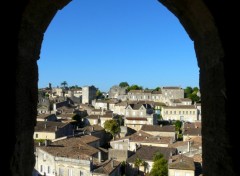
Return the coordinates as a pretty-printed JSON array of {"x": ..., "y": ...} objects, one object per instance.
[
  {"x": 160, "y": 125},
  {"x": 45, "y": 125},
  {"x": 56, "y": 128},
  {"x": 99, "y": 157}
]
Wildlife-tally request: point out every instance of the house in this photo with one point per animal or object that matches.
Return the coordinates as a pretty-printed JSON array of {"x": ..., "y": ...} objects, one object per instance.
[
  {"x": 108, "y": 168},
  {"x": 139, "y": 114},
  {"x": 88, "y": 94},
  {"x": 189, "y": 133},
  {"x": 119, "y": 108},
  {"x": 135, "y": 95},
  {"x": 180, "y": 101},
  {"x": 146, "y": 154},
  {"x": 190, "y": 147},
  {"x": 180, "y": 165},
  {"x": 171, "y": 93},
  {"x": 160, "y": 130},
  {"x": 140, "y": 138},
  {"x": 93, "y": 119},
  {"x": 52, "y": 130},
  {"x": 100, "y": 104},
  {"x": 186, "y": 113},
  {"x": 107, "y": 116},
  {"x": 65, "y": 157},
  {"x": 116, "y": 91},
  {"x": 46, "y": 117},
  {"x": 191, "y": 130},
  {"x": 97, "y": 131}
]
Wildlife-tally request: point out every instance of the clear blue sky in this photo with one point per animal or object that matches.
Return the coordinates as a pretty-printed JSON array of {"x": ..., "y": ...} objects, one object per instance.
[{"x": 105, "y": 42}]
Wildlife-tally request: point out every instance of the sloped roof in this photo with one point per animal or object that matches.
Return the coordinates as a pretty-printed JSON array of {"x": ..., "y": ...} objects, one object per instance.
[
  {"x": 48, "y": 126},
  {"x": 107, "y": 167},
  {"x": 166, "y": 128},
  {"x": 146, "y": 153},
  {"x": 181, "y": 162}
]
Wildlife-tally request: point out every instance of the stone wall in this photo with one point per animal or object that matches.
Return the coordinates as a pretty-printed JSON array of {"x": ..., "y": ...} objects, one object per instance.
[{"x": 204, "y": 21}]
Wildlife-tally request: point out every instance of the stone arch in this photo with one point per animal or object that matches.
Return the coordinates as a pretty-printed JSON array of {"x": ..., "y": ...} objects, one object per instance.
[{"x": 201, "y": 20}]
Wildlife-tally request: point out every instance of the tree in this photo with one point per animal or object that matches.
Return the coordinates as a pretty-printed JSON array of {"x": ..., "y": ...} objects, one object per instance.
[
  {"x": 159, "y": 168},
  {"x": 123, "y": 84},
  {"x": 192, "y": 93},
  {"x": 134, "y": 87},
  {"x": 138, "y": 162},
  {"x": 99, "y": 94},
  {"x": 160, "y": 165},
  {"x": 78, "y": 120},
  {"x": 157, "y": 89},
  {"x": 178, "y": 125},
  {"x": 112, "y": 127},
  {"x": 64, "y": 84},
  {"x": 187, "y": 91}
]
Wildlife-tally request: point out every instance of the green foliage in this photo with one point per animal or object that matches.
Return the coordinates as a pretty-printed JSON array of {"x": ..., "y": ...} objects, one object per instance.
[
  {"x": 120, "y": 120},
  {"x": 192, "y": 93},
  {"x": 64, "y": 84},
  {"x": 178, "y": 125},
  {"x": 138, "y": 162},
  {"x": 134, "y": 87},
  {"x": 39, "y": 140},
  {"x": 99, "y": 94},
  {"x": 78, "y": 120},
  {"x": 157, "y": 89},
  {"x": 160, "y": 167},
  {"x": 112, "y": 127},
  {"x": 180, "y": 137},
  {"x": 123, "y": 84},
  {"x": 157, "y": 156},
  {"x": 188, "y": 90},
  {"x": 75, "y": 87},
  {"x": 194, "y": 97}
]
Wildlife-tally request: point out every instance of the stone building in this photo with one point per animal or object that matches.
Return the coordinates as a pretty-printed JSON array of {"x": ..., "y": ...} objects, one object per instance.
[
  {"x": 88, "y": 94},
  {"x": 117, "y": 91}
]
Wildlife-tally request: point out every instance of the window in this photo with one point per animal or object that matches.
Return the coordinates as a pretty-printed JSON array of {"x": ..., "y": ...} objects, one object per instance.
[
  {"x": 174, "y": 112},
  {"x": 176, "y": 174},
  {"x": 44, "y": 156},
  {"x": 190, "y": 112},
  {"x": 81, "y": 173},
  {"x": 70, "y": 172},
  {"x": 166, "y": 112},
  {"x": 41, "y": 168},
  {"x": 186, "y": 112},
  {"x": 170, "y": 112},
  {"x": 36, "y": 135},
  {"x": 48, "y": 170},
  {"x": 193, "y": 112},
  {"x": 179, "y": 112},
  {"x": 61, "y": 172}
]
